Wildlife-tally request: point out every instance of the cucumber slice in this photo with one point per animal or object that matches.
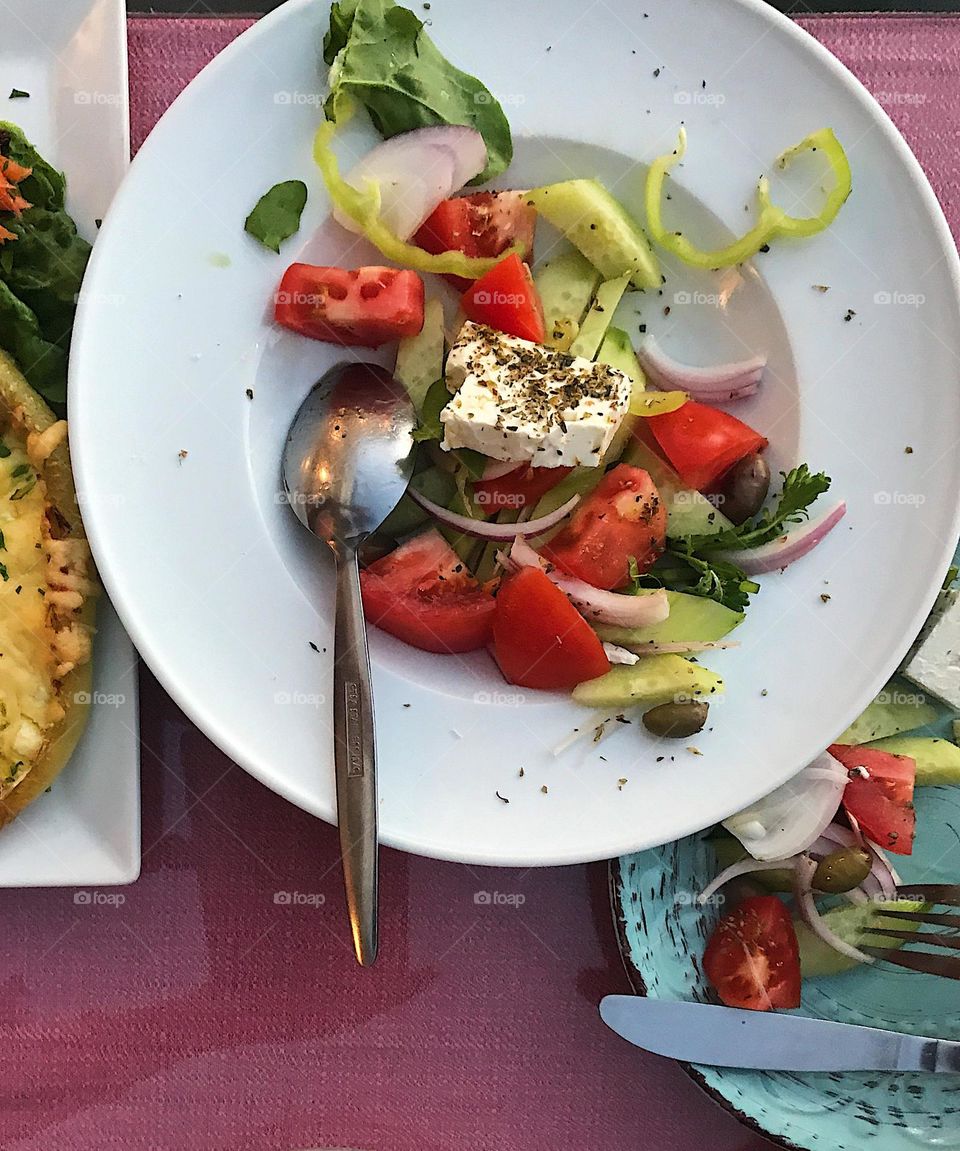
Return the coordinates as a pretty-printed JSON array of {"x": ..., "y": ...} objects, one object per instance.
[
  {"x": 688, "y": 512},
  {"x": 654, "y": 679},
  {"x": 597, "y": 319},
  {"x": 897, "y": 708},
  {"x": 692, "y": 617},
  {"x": 599, "y": 225},
  {"x": 420, "y": 357},
  {"x": 937, "y": 760},
  {"x": 617, "y": 351},
  {"x": 729, "y": 851},
  {"x": 850, "y": 923},
  {"x": 566, "y": 286}
]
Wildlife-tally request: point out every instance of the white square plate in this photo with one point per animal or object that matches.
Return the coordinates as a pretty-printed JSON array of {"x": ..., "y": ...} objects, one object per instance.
[{"x": 71, "y": 56}]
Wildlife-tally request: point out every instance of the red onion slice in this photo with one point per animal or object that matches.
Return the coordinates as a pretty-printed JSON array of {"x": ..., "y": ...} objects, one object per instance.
[
  {"x": 743, "y": 867},
  {"x": 715, "y": 384},
  {"x": 594, "y": 604},
  {"x": 495, "y": 469},
  {"x": 415, "y": 171},
  {"x": 489, "y": 529},
  {"x": 789, "y": 547}
]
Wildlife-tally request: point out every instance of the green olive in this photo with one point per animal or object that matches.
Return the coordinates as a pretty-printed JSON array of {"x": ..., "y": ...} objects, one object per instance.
[
  {"x": 842, "y": 870},
  {"x": 676, "y": 720},
  {"x": 745, "y": 488}
]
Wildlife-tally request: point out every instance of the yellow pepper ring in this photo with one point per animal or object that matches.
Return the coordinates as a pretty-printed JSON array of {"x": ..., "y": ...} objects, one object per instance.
[{"x": 772, "y": 221}]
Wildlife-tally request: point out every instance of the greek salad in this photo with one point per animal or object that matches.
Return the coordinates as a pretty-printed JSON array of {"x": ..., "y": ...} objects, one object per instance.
[{"x": 584, "y": 506}]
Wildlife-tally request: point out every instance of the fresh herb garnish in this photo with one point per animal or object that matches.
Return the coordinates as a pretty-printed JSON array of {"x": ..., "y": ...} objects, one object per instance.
[
  {"x": 385, "y": 60},
  {"x": 3, "y": 543},
  {"x": 18, "y": 94},
  {"x": 4, "y": 574},
  {"x": 20, "y": 470},
  {"x": 276, "y": 216},
  {"x": 800, "y": 488},
  {"x": 4, "y": 450},
  {"x": 680, "y": 570}
]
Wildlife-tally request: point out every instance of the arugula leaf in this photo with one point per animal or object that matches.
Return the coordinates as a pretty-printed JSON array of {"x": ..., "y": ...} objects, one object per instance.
[
  {"x": 800, "y": 489},
  {"x": 715, "y": 579},
  {"x": 436, "y": 399},
  {"x": 382, "y": 56},
  {"x": 43, "y": 363},
  {"x": 276, "y": 215}
]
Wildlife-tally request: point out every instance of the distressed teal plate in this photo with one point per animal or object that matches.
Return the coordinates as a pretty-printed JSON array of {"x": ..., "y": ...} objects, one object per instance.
[{"x": 662, "y": 936}]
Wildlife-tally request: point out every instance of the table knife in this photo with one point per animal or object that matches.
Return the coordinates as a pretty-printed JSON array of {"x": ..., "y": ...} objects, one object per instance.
[{"x": 764, "y": 1040}]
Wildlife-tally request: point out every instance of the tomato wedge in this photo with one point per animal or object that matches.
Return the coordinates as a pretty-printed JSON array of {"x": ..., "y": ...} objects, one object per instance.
[
  {"x": 363, "y": 306},
  {"x": 882, "y": 801},
  {"x": 622, "y": 517},
  {"x": 521, "y": 488},
  {"x": 506, "y": 299},
  {"x": 539, "y": 637},
  {"x": 752, "y": 958},
  {"x": 423, "y": 594},
  {"x": 702, "y": 443},
  {"x": 484, "y": 224}
]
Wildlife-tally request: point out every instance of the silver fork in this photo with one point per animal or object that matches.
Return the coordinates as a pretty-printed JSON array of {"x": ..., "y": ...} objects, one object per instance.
[{"x": 929, "y": 962}]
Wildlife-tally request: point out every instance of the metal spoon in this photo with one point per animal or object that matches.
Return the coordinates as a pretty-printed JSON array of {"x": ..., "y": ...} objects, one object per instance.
[{"x": 347, "y": 460}]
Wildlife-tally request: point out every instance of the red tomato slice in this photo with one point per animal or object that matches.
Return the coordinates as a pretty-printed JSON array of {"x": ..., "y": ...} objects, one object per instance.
[
  {"x": 365, "y": 306},
  {"x": 506, "y": 299},
  {"x": 484, "y": 224},
  {"x": 622, "y": 517},
  {"x": 752, "y": 958},
  {"x": 702, "y": 443},
  {"x": 423, "y": 594},
  {"x": 883, "y": 803},
  {"x": 539, "y": 637},
  {"x": 521, "y": 488}
]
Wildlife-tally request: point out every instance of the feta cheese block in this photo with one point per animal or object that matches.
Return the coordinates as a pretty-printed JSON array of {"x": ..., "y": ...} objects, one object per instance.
[
  {"x": 516, "y": 400},
  {"x": 935, "y": 664}
]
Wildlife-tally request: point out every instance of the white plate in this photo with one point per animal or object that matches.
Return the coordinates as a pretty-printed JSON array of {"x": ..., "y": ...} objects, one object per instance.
[
  {"x": 223, "y": 591},
  {"x": 71, "y": 57}
]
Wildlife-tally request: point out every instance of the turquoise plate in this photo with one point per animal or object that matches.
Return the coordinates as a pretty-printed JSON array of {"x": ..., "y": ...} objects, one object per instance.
[{"x": 662, "y": 935}]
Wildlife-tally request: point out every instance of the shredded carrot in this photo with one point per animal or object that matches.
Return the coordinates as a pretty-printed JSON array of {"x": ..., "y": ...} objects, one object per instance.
[
  {"x": 6, "y": 235},
  {"x": 13, "y": 171}
]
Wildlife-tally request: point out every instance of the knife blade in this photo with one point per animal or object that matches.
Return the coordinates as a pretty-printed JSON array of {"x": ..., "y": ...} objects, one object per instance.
[{"x": 763, "y": 1040}]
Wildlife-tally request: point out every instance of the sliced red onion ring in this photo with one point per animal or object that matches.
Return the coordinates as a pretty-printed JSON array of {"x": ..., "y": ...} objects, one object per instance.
[
  {"x": 594, "y": 604},
  {"x": 489, "y": 529},
  {"x": 794, "y": 815},
  {"x": 803, "y": 870},
  {"x": 415, "y": 171},
  {"x": 714, "y": 384},
  {"x": 653, "y": 648},
  {"x": 783, "y": 551},
  {"x": 743, "y": 867}
]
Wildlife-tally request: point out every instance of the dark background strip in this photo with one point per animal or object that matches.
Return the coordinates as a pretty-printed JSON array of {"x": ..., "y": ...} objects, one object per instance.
[{"x": 794, "y": 7}]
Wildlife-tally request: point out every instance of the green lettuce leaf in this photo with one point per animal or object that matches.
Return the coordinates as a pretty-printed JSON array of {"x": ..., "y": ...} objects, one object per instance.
[
  {"x": 43, "y": 363},
  {"x": 276, "y": 215},
  {"x": 382, "y": 56}
]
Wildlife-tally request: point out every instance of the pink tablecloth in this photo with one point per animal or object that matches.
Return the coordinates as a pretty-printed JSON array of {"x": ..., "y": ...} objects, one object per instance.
[{"x": 209, "y": 1012}]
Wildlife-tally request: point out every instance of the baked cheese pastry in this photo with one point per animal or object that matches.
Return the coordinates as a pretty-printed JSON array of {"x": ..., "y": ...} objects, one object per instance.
[{"x": 47, "y": 597}]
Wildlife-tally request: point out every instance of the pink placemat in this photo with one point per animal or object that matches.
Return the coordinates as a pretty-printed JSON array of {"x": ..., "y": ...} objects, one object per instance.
[{"x": 215, "y": 1006}]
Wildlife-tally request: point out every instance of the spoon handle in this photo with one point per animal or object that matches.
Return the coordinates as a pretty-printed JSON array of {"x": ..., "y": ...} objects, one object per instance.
[{"x": 355, "y": 757}]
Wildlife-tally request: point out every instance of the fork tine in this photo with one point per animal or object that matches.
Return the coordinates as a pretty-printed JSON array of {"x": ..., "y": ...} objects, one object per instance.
[
  {"x": 948, "y": 893},
  {"x": 940, "y": 919},
  {"x": 946, "y": 965},
  {"x": 935, "y": 939}
]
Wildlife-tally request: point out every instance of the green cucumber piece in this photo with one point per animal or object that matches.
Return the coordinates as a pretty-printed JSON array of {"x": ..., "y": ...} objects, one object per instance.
[
  {"x": 617, "y": 351},
  {"x": 937, "y": 760},
  {"x": 599, "y": 225},
  {"x": 850, "y": 923},
  {"x": 691, "y": 618},
  {"x": 566, "y": 285},
  {"x": 729, "y": 851},
  {"x": 688, "y": 512},
  {"x": 598, "y": 318},
  {"x": 420, "y": 357},
  {"x": 897, "y": 708},
  {"x": 652, "y": 680}
]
